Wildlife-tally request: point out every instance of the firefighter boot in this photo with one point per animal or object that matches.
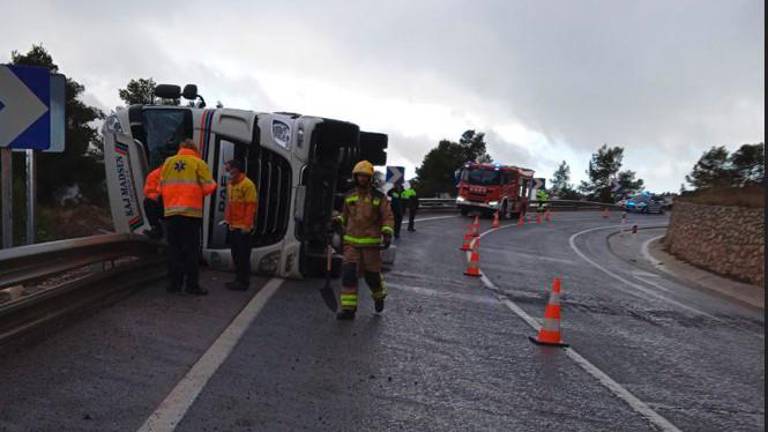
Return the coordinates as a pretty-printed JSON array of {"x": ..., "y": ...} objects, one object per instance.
[{"x": 376, "y": 283}]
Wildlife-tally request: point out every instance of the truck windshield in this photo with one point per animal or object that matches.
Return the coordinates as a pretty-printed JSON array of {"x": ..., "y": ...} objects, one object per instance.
[
  {"x": 482, "y": 177},
  {"x": 165, "y": 128}
]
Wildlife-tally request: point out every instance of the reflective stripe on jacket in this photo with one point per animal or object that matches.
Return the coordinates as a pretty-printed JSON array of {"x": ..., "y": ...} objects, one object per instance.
[
  {"x": 242, "y": 202},
  {"x": 152, "y": 184},
  {"x": 185, "y": 181},
  {"x": 366, "y": 216}
]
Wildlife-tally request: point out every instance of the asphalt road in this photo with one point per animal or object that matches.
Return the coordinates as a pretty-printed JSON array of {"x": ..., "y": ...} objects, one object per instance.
[{"x": 450, "y": 352}]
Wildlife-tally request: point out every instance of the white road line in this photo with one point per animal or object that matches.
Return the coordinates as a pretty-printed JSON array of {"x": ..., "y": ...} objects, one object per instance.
[
  {"x": 174, "y": 407},
  {"x": 638, "y": 287},
  {"x": 606, "y": 381},
  {"x": 434, "y": 218},
  {"x": 644, "y": 249}
]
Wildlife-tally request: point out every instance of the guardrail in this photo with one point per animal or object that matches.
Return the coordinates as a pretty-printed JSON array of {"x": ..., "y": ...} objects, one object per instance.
[
  {"x": 54, "y": 280},
  {"x": 450, "y": 204}
]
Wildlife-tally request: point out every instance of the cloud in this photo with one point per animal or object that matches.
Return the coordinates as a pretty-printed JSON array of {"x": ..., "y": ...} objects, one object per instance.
[{"x": 546, "y": 81}]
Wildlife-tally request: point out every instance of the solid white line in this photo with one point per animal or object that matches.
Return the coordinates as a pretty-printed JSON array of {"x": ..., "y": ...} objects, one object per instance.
[
  {"x": 606, "y": 381},
  {"x": 434, "y": 218},
  {"x": 638, "y": 287},
  {"x": 174, "y": 407}
]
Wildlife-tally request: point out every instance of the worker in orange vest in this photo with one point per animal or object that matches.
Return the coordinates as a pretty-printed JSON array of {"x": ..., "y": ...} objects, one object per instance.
[
  {"x": 153, "y": 204},
  {"x": 184, "y": 181},
  {"x": 242, "y": 202}
]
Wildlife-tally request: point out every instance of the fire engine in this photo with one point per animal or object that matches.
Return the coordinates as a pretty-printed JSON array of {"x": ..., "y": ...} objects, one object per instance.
[
  {"x": 487, "y": 188},
  {"x": 300, "y": 164}
]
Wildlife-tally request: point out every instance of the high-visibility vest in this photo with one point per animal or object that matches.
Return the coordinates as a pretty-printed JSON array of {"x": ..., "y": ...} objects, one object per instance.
[
  {"x": 152, "y": 184},
  {"x": 366, "y": 216},
  {"x": 242, "y": 202},
  {"x": 185, "y": 181}
]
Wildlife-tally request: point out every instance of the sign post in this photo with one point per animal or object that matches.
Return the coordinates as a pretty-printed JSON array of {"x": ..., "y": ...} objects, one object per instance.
[
  {"x": 6, "y": 163},
  {"x": 32, "y": 118}
]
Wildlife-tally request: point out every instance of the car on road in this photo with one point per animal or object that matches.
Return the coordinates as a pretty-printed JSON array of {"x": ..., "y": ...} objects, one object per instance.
[{"x": 645, "y": 203}]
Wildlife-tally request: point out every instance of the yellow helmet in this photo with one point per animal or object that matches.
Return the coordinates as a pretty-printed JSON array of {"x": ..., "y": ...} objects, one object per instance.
[{"x": 363, "y": 167}]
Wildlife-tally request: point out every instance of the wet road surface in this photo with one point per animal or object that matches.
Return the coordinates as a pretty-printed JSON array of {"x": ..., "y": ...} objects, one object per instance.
[{"x": 445, "y": 355}]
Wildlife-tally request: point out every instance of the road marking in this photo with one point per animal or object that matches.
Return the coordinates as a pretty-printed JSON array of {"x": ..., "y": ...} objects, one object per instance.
[
  {"x": 472, "y": 298},
  {"x": 434, "y": 218},
  {"x": 174, "y": 407},
  {"x": 606, "y": 381},
  {"x": 638, "y": 287}
]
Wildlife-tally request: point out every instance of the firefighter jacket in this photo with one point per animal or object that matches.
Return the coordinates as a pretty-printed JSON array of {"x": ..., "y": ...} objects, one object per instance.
[
  {"x": 152, "y": 184},
  {"x": 366, "y": 216},
  {"x": 184, "y": 182},
  {"x": 242, "y": 202}
]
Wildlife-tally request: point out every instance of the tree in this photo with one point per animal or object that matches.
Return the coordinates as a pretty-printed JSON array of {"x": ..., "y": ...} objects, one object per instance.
[
  {"x": 436, "y": 173},
  {"x": 747, "y": 165},
  {"x": 80, "y": 163},
  {"x": 139, "y": 92},
  {"x": 560, "y": 185},
  {"x": 603, "y": 169},
  {"x": 711, "y": 170},
  {"x": 628, "y": 183}
]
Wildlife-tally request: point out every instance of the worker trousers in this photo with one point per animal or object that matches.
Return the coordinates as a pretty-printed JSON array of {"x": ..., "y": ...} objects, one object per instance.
[
  {"x": 240, "y": 247},
  {"x": 357, "y": 260},
  {"x": 411, "y": 219},
  {"x": 184, "y": 252},
  {"x": 398, "y": 222},
  {"x": 154, "y": 211}
]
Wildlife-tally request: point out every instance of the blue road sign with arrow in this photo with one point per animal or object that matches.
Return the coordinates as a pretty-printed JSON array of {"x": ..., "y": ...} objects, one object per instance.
[
  {"x": 31, "y": 108},
  {"x": 395, "y": 174}
]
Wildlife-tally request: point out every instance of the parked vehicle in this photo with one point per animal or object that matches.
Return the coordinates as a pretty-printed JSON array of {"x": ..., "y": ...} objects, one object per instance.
[
  {"x": 487, "y": 188},
  {"x": 645, "y": 203}
]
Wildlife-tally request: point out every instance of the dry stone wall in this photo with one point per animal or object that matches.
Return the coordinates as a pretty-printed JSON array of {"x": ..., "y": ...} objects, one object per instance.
[{"x": 727, "y": 240}]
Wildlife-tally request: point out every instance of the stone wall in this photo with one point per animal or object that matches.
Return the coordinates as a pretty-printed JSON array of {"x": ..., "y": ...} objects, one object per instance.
[{"x": 727, "y": 240}]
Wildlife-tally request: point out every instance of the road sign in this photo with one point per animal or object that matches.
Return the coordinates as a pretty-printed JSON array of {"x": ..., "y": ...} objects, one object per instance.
[
  {"x": 395, "y": 174},
  {"x": 31, "y": 108}
]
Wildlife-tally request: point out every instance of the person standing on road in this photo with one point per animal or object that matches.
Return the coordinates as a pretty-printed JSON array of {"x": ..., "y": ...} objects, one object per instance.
[
  {"x": 367, "y": 220},
  {"x": 396, "y": 203},
  {"x": 185, "y": 181},
  {"x": 542, "y": 197},
  {"x": 242, "y": 202},
  {"x": 411, "y": 200},
  {"x": 153, "y": 204}
]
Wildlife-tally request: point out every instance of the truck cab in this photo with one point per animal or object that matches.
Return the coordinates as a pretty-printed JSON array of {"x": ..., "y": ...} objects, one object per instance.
[{"x": 487, "y": 188}]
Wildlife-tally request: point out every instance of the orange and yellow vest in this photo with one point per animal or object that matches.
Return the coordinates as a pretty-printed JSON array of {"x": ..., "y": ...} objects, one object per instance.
[
  {"x": 184, "y": 182},
  {"x": 242, "y": 202},
  {"x": 152, "y": 184}
]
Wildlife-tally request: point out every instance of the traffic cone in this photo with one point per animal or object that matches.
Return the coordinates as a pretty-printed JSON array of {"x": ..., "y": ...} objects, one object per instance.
[
  {"x": 605, "y": 212},
  {"x": 549, "y": 334},
  {"x": 467, "y": 245},
  {"x": 521, "y": 220},
  {"x": 473, "y": 268},
  {"x": 476, "y": 227},
  {"x": 538, "y": 218},
  {"x": 548, "y": 216},
  {"x": 495, "y": 223}
]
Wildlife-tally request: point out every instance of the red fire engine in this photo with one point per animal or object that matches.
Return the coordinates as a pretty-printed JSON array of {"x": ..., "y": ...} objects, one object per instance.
[{"x": 486, "y": 188}]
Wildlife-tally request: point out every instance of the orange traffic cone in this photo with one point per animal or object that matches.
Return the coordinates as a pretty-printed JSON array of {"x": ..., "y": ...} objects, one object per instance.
[
  {"x": 476, "y": 227},
  {"x": 548, "y": 216},
  {"x": 473, "y": 268},
  {"x": 538, "y": 217},
  {"x": 495, "y": 223},
  {"x": 467, "y": 245},
  {"x": 549, "y": 334},
  {"x": 605, "y": 212},
  {"x": 521, "y": 220}
]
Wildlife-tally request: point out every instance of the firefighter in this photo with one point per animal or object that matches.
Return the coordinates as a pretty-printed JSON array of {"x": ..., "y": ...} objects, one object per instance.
[
  {"x": 411, "y": 201},
  {"x": 367, "y": 220},
  {"x": 396, "y": 203},
  {"x": 185, "y": 180},
  {"x": 153, "y": 204},
  {"x": 242, "y": 202}
]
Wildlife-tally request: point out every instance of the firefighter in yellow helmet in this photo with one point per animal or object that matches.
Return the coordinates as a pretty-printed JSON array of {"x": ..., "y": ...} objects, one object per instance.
[{"x": 367, "y": 220}]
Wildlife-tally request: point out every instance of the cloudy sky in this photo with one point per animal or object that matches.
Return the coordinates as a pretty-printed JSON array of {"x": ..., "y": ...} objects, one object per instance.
[{"x": 547, "y": 81}]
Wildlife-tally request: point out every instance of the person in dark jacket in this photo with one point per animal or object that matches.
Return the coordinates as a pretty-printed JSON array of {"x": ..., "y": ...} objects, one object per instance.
[
  {"x": 396, "y": 202},
  {"x": 411, "y": 200}
]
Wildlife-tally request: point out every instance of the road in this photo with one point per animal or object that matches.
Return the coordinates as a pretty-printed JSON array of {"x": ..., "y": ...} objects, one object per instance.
[{"x": 648, "y": 352}]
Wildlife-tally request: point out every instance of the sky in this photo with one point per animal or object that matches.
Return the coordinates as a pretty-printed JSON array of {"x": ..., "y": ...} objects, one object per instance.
[{"x": 546, "y": 81}]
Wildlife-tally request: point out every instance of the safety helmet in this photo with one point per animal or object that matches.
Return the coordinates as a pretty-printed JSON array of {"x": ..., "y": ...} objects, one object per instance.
[{"x": 363, "y": 167}]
